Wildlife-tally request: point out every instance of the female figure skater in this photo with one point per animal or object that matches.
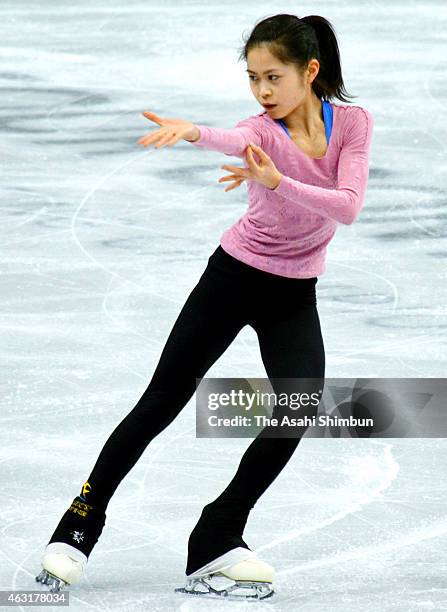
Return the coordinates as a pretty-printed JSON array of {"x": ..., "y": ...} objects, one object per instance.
[{"x": 307, "y": 171}]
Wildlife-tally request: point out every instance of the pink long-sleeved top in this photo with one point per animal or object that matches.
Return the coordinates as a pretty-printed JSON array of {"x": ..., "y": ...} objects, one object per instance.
[{"x": 286, "y": 230}]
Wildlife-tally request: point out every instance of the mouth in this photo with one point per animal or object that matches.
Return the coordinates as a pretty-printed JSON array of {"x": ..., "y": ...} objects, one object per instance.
[{"x": 269, "y": 106}]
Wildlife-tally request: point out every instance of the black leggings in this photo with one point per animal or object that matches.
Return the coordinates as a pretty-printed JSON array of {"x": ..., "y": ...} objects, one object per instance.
[{"x": 229, "y": 295}]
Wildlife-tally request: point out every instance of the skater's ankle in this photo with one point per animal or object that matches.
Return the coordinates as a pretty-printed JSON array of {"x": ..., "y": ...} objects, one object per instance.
[
  {"x": 94, "y": 502},
  {"x": 94, "y": 496}
]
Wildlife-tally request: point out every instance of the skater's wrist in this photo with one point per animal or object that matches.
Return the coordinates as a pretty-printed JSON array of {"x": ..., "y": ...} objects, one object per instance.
[{"x": 193, "y": 135}]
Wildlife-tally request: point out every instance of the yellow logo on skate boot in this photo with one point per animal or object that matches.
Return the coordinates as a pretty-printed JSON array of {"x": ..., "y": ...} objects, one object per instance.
[
  {"x": 86, "y": 489},
  {"x": 80, "y": 508}
]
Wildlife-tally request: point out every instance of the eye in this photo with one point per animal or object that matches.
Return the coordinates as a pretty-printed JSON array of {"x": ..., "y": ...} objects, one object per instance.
[{"x": 252, "y": 77}]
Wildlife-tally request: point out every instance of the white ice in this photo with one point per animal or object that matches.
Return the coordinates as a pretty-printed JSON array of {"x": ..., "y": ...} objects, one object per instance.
[{"x": 101, "y": 243}]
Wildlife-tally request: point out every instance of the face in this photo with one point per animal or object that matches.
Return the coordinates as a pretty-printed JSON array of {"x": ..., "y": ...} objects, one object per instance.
[{"x": 273, "y": 82}]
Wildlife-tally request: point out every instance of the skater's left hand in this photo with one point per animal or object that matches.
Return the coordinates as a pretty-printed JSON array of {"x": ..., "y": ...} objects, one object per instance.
[{"x": 265, "y": 173}]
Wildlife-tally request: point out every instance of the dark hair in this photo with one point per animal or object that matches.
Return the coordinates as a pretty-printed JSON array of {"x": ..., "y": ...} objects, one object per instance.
[{"x": 297, "y": 41}]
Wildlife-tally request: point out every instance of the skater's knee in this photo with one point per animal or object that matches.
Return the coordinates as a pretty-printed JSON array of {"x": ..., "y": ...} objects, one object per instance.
[
  {"x": 175, "y": 392},
  {"x": 160, "y": 406}
]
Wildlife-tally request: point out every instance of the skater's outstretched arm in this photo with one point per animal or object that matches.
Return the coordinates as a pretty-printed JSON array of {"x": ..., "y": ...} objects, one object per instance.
[{"x": 232, "y": 141}]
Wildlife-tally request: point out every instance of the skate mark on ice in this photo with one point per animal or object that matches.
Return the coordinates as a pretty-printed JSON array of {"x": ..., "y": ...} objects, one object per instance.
[
  {"x": 113, "y": 274},
  {"x": 413, "y": 537},
  {"x": 167, "y": 443},
  {"x": 85, "y": 199},
  {"x": 365, "y": 272},
  {"x": 389, "y": 475},
  {"x": 392, "y": 344}
]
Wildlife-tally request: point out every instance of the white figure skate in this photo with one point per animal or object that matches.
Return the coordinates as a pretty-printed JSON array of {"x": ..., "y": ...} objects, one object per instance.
[
  {"x": 65, "y": 556},
  {"x": 62, "y": 565},
  {"x": 237, "y": 575}
]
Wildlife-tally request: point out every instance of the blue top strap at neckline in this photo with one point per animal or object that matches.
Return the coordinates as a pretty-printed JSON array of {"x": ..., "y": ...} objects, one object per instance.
[{"x": 327, "y": 117}]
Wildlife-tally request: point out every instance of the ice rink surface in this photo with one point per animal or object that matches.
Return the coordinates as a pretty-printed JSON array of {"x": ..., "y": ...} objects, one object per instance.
[{"x": 101, "y": 243}]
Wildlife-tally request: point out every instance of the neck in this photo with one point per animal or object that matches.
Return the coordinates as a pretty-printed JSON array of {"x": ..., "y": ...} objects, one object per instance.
[{"x": 307, "y": 117}]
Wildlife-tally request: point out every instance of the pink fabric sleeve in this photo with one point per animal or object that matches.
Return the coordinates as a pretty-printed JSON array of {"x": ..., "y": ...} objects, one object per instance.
[
  {"x": 344, "y": 203},
  {"x": 229, "y": 141}
]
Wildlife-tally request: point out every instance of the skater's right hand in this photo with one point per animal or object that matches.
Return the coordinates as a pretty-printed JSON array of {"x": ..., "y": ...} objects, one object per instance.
[{"x": 171, "y": 131}]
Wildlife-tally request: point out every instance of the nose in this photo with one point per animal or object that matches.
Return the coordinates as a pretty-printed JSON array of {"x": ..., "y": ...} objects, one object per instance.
[{"x": 263, "y": 93}]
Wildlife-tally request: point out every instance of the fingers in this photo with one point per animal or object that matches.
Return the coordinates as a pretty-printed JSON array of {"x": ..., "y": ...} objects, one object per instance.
[
  {"x": 251, "y": 160},
  {"x": 237, "y": 180},
  {"x": 236, "y": 169},
  {"x": 159, "y": 135},
  {"x": 230, "y": 177},
  {"x": 254, "y": 148},
  {"x": 152, "y": 117},
  {"x": 238, "y": 172},
  {"x": 145, "y": 140},
  {"x": 253, "y": 164},
  {"x": 234, "y": 185},
  {"x": 257, "y": 149},
  {"x": 166, "y": 139}
]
